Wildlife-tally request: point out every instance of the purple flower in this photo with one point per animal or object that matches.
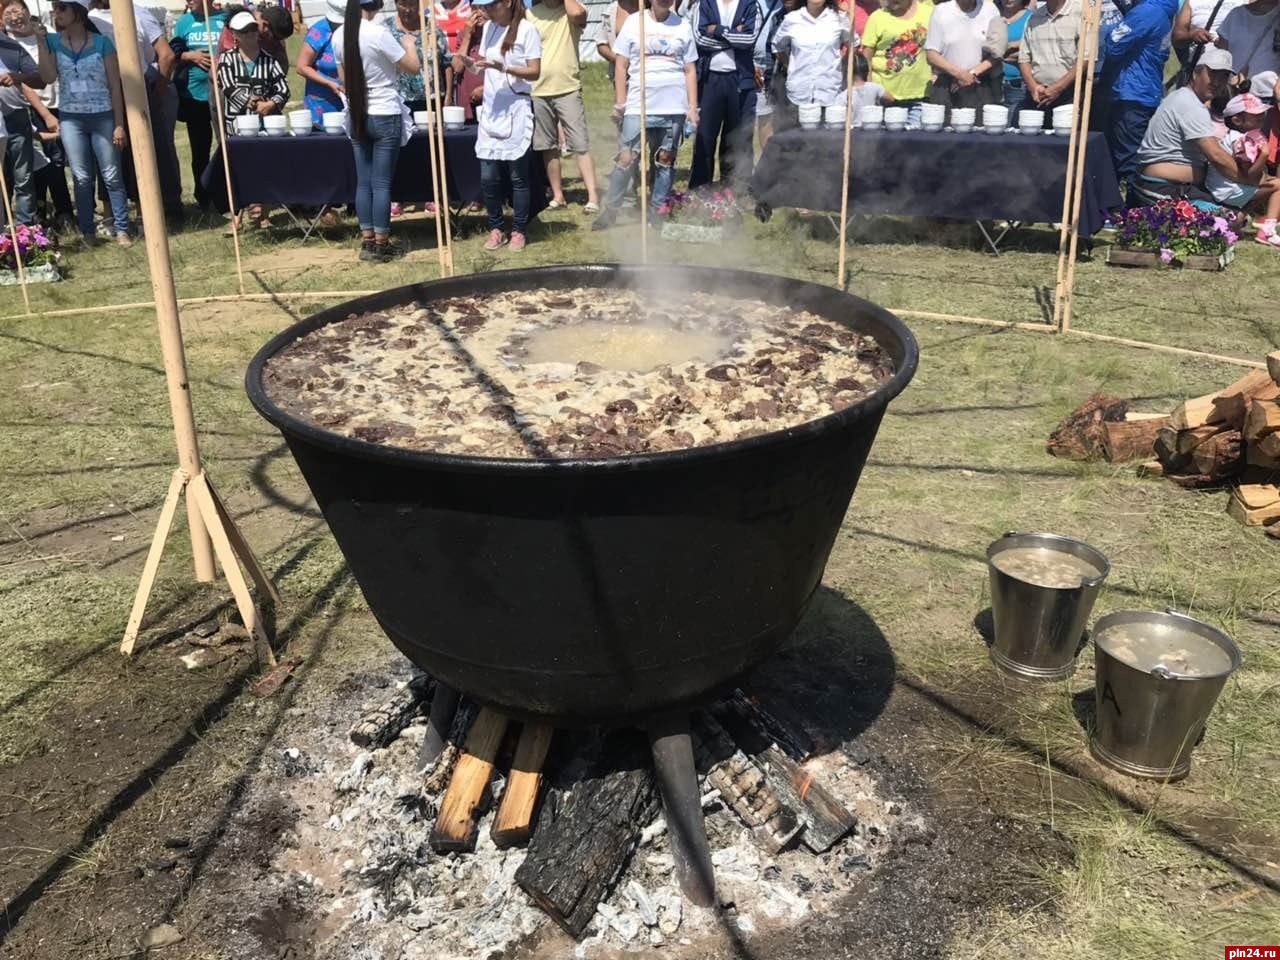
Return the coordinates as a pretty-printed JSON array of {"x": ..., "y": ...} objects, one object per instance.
[
  {"x": 1166, "y": 255},
  {"x": 1231, "y": 237}
]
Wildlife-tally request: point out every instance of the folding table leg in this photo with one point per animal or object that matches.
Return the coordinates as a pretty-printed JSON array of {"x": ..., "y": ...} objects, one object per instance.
[
  {"x": 311, "y": 228},
  {"x": 994, "y": 244}
]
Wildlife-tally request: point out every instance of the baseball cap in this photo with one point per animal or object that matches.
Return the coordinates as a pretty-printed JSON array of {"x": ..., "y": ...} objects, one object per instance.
[
  {"x": 79, "y": 3},
  {"x": 337, "y": 10},
  {"x": 1264, "y": 84},
  {"x": 1215, "y": 58},
  {"x": 243, "y": 21},
  {"x": 1244, "y": 103}
]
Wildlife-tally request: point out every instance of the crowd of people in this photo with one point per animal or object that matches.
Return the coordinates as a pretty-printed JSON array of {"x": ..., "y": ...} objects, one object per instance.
[{"x": 727, "y": 73}]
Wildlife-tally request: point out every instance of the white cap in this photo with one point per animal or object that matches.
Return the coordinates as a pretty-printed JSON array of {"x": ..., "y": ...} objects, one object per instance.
[
  {"x": 1264, "y": 85},
  {"x": 337, "y": 10},
  {"x": 1215, "y": 58},
  {"x": 242, "y": 21}
]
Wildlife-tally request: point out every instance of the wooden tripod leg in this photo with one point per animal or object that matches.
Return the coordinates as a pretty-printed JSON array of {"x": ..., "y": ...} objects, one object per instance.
[
  {"x": 456, "y": 826},
  {"x": 514, "y": 822},
  {"x": 152, "y": 565},
  {"x": 199, "y": 490},
  {"x": 241, "y": 546}
]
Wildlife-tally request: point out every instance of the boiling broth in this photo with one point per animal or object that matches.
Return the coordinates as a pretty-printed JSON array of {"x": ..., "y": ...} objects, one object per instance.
[
  {"x": 1044, "y": 567},
  {"x": 623, "y": 346},
  {"x": 1146, "y": 646}
]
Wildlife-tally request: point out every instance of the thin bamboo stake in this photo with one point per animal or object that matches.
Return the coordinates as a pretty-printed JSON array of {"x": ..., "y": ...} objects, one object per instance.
[
  {"x": 13, "y": 234},
  {"x": 1069, "y": 185},
  {"x": 850, "y": 57},
  {"x": 436, "y": 122},
  {"x": 442, "y": 198},
  {"x": 1093, "y": 14},
  {"x": 644, "y": 142},
  {"x": 166, "y": 301},
  {"x": 222, "y": 141},
  {"x": 193, "y": 301}
]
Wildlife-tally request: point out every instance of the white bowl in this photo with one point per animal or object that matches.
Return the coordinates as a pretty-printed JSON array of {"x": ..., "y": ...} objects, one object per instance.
[
  {"x": 276, "y": 132},
  {"x": 961, "y": 127},
  {"x": 894, "y": 126},
  {"x": 930, "y": 127},
  {"x": 455, "y": 115},
  {"x": 896, "y": 114},
  {"x": 809, "y": 125},
  {"x": 993, "y": 128}
]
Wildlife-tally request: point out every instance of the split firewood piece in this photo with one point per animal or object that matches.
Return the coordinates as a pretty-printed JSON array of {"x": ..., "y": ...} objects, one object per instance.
[
  {"x": 1255, "y": 495},
  {"x": 1188, "y": 440},
  {"x": 588, "y": 828},
  {"x": 1151, "y": 468},
  {"x": 1227, "y": 406},
  {"x": 1268, "y": 446},
  {"x": 442, "y": 772},
  {"x": 514, "y": 821},
  {"x": 1259, "y": 457},
  {"x": 1252, "y": 516},
  {"x": 1273, "y": 365},
  {"x": 381, "y": 725},
  {"x": 1221, "y": 456},
  {"x": 1131, "y": 439},
  {"x": 1262, "y": 419},
  {"x": 456, "y": 824},
  {"x": 1167, "y": 452},
  {"x": 1079, "y": 435}
]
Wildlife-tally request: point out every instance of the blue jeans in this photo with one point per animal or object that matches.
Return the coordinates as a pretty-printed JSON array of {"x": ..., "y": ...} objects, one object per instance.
[
  {"x": 663, "y": 139},
  {"x": 376, "y": 157},
  {"x": 492, "y": 184},
  {"x": 87, "y": 139},
  {"x": 1015, "y": 91},
  {"x": 726, "y": 125},
  {"x": 1125, "y": 126},
  {"x": 20, "y": 152}
]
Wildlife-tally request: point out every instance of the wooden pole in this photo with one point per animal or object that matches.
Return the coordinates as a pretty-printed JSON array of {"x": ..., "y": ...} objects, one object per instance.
[
  {"x": 1086, "y": 42},
  {"x": 437, "y": 121},
  {"x": 442, "y": 198},
  {"x": 13, "y": 235},
  {"x": 1092, "y": 16},
  {"x": 210, "y": 525},
  {"x": 851, "y": 57},
  {"x": 644, "y": 141},
  {"x": 222, "y": 142}
]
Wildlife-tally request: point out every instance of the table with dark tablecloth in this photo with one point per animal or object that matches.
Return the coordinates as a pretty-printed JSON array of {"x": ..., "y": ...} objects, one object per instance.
[
  {"x": 965, "y": 176},
  {"x": 320, "y": 170}
]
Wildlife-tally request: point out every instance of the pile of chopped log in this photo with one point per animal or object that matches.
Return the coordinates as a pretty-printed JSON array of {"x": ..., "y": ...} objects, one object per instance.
[{"x": 1229, "y": 437}]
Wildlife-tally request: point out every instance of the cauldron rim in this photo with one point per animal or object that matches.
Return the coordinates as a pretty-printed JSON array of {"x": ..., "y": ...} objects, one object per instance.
[{"x": 752, "y": 284}]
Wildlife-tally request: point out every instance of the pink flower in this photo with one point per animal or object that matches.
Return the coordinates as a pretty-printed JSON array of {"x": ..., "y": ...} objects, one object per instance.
[{"x": 1166, "y": 255}]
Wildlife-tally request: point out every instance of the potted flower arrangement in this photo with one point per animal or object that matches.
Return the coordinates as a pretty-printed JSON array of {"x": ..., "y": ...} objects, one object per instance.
[
  {"x": 40, "y": 255},
  {"x": 700, "y": 216},
  {"x": 1175, "y": 233}
]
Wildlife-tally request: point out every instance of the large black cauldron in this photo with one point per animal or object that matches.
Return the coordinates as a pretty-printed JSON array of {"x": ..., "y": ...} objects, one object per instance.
[{"x": 594, "y": 590}]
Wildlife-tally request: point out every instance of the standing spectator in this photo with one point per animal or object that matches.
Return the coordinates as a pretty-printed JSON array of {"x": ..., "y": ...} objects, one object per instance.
[
  {"x": 370, "y": 60},
  {"x": 92, "y": 120},
  {"x": 965, "y": 45},
  {"x": 193, "y": 35},
  {"x": 670, "y": 102},
  {"x": 1251, "y": 33},
  {"x": 451, "y": 18},
  {"x": 726, "y": 32},
  {"x": 158, "y": 62},
  {"x": 1196, "y": 26},
  {"x": 894, "y": 46},
  {"x": 772, "y": 13},
  {"x": 17, "y": 68},
  {"x": 557, "y": 96},
  {"x": 511, "y": 60},
  {"x": 1016, "y": 14},
  {"x": 31, "y": 36},
  {"x": 251, "y": 79},
  {"x": 809, "y": 44},
  {"x": 318, "y": 64},
  {"x": 1133, "y": 77},
  {"x": 275, "y": 26},
  {"x": 407, "y": 22},
  {"x": 611, "y": 21},
  {"x": 1047, "y": 59},
  {"x": 470, "y": 84}
]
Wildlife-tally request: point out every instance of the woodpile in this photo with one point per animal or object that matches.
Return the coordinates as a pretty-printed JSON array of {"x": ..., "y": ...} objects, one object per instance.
[{"x": 1229, "y": 437}]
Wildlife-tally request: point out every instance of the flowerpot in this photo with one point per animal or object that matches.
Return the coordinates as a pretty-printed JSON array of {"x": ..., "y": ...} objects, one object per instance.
[
  {"x": 1120, "y": 257},
  {"x": 691, "y": 233},
  {"x": 44, "y": 273}
]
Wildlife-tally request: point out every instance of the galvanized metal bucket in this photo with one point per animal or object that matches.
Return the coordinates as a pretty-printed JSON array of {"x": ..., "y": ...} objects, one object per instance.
[
  {"x": 1148, "y": 722},
  {"x": 1038, "y": 629}
]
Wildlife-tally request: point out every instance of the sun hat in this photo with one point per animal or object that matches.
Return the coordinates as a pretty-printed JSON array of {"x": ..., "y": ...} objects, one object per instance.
[
  {"x": 1215, "y": 58},
  {"x": 1244, "y": 103},
  {"x": 242, "y": 21},
  {"x": 1264, "y": 84},
  {"x": 79, "y": 3},
  {"x": 337, "y": 11}
]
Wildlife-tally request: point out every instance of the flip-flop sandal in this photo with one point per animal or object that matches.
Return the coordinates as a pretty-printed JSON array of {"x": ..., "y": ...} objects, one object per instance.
[
  {"x": 556, "y": 205},
  {"x": 591, "y": 208}
]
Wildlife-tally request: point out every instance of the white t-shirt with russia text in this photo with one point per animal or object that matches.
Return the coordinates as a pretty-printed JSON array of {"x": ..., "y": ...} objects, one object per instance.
[
  {"x": 379, "y": 52},
  {"x": 669, "y": 45}
]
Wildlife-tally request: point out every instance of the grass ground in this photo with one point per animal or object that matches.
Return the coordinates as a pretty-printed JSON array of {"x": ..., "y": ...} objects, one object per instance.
[{"x": 86, "y": 451}]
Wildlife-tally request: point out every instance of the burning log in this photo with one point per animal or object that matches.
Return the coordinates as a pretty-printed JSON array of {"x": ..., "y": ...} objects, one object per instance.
[
  {"x": 380, "y": 726},
  {"x": 787, "y": 733},
  {"x": 442, "y": 771},
  {"x": 1079, "y": 435},
  {"x": 587, "y": 831},
  {"x": 456, "y": 824}
]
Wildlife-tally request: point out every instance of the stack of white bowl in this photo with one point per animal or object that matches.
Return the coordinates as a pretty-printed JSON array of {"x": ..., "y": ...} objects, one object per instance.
[
  {"x": 454, "y": 118},
  {"x": 1063, "y": 119},
  {"x": 833, "y": 115},
  {"x": 275, "y": 125},
  {"x": 246, "y": 125},
  {"x": 810, "y": 115},
  {"x": 299, "y": 122},
  {"x": 334, "y": 121},
  {"x": 895, "y": 118},
  {"x": 963, "y": 119},
  {"x": 1030, "y": 121},
  {"x": 933, "y": 117},
  {"x": 424, "y": 119},
  {"x": 995, "y": 118},
  {"x": 870, "y": 116}
]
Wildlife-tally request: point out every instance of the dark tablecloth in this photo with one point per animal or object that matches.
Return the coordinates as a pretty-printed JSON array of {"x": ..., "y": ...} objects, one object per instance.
[
  {"x": 321, "y": 170},
  {"x": 966, "y": 176}
]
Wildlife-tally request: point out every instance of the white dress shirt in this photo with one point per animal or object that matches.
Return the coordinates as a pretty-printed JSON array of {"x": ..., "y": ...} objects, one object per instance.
[{"x": 812, "y": 45}]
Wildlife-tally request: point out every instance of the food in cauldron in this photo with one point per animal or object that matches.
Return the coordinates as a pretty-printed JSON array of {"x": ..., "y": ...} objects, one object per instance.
[{"x": 570, "y": 373}]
